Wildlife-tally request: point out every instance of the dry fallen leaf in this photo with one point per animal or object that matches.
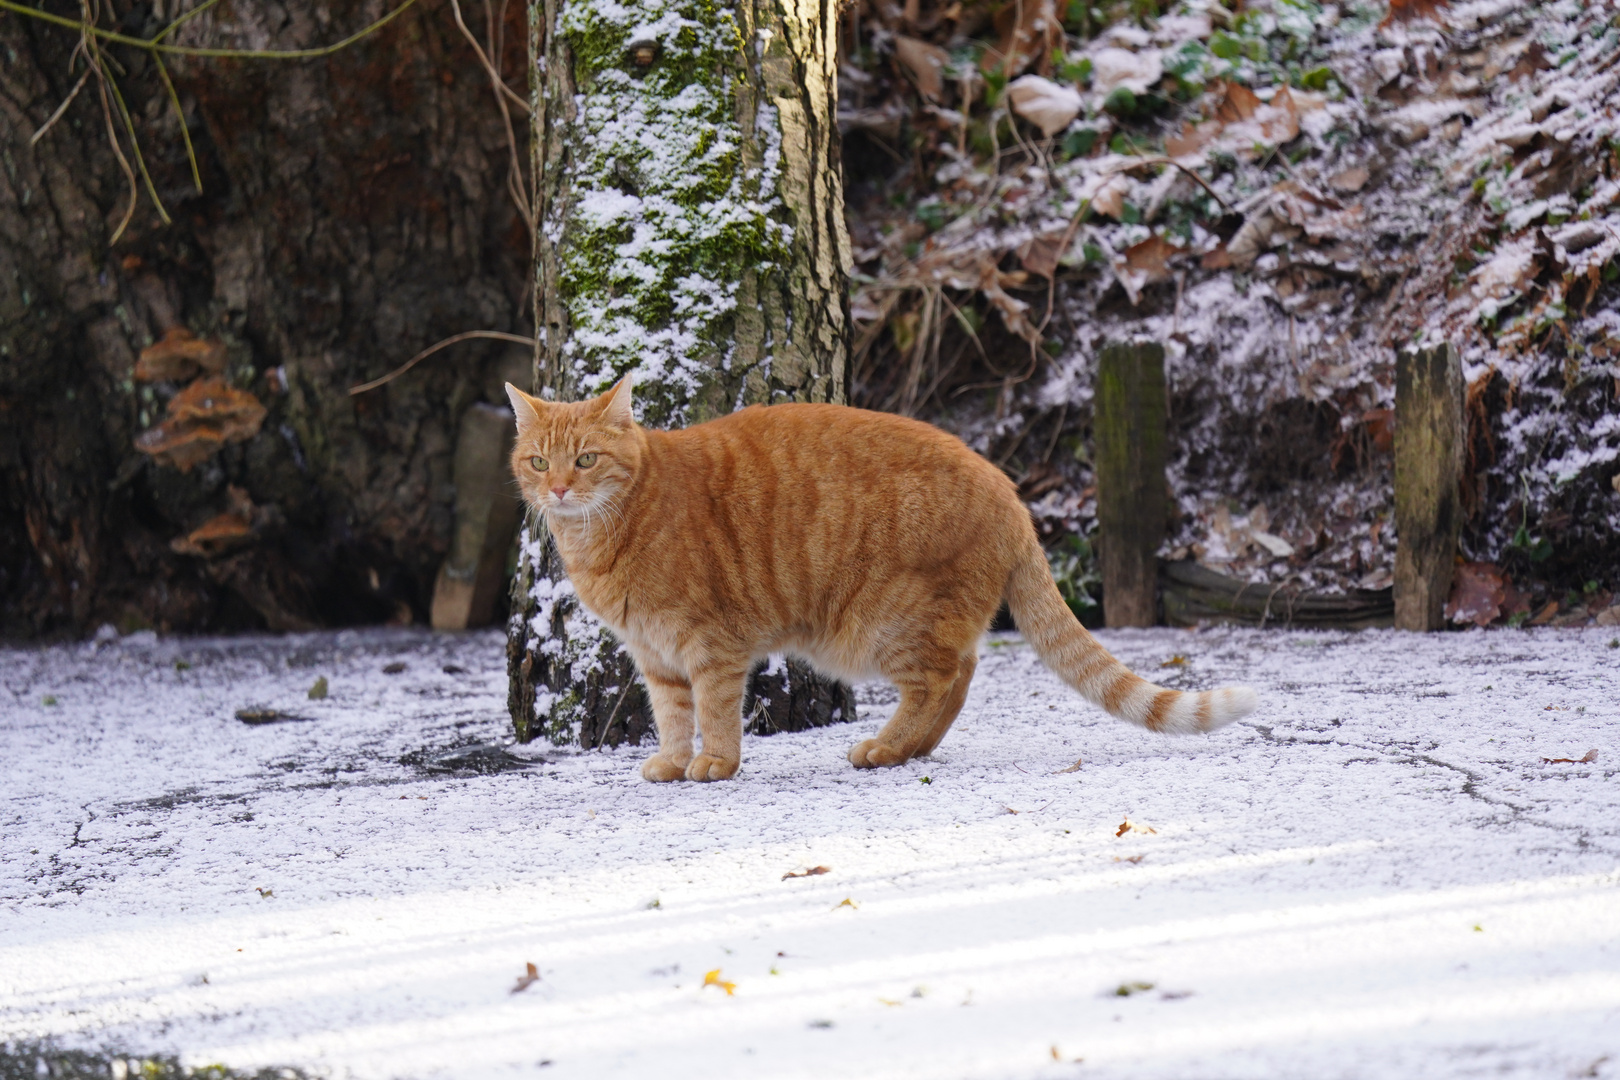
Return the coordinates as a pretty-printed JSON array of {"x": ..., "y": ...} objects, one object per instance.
[
  {"x": 527, "y": 979},
  {"x": 1044, "y": 103},
  {"x": 1138, "y": 72},
  {"x": 1349, "y": 181},
  {"x": 846, "y": 902},
  {"x": 1175, "y": 661},
  {"x": 814, "y": 871},
  {"x": 924, "y": 64},
  {"x": 1130, "y": 858},
  {"x": 713, "y": 979},
  {"x": 1405, "y": 10},
  {"x": 1476, "y": 594},
  {"x": 1027, "y": 33},
  {"x": 1129, "y": 826},
  {"x": 1150, "y": 259},
  {"x": 1072, "y": 768},
  {"x": 1586, "y": 759}
]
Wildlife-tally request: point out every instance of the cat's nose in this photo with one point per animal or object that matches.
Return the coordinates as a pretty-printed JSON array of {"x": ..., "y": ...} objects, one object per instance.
[{"x": 559, "y": 492}]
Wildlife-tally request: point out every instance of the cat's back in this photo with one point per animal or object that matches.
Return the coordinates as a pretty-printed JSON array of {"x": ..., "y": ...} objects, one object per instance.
[
  {"x": 858, "y": 448},
  {"x": 804, "y": 462}
]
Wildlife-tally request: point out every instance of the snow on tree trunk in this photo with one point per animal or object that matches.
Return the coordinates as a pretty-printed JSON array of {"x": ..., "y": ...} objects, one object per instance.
[{"x": 691, "y": 232}]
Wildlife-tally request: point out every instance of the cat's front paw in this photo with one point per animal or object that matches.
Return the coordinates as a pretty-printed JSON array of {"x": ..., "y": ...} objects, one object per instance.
[
  {"x": 872, "y": 754},
  {"x": 711, "y": 767},
  {"x": 661, "y": 767}
]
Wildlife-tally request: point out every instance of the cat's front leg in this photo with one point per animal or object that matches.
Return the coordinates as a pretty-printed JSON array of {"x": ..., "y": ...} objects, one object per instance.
[
  {"x": 718, "y": 690},
  {"x": 671, "y": 698}
]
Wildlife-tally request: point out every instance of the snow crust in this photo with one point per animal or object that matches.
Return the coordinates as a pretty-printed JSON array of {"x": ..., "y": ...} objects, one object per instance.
[{"x": 1373, "y": 876}]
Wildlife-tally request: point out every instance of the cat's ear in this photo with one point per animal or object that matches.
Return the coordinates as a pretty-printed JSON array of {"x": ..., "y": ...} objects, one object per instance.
[
  {"x": 524, "y": 407},
  {"x": 616, "y": 406}
]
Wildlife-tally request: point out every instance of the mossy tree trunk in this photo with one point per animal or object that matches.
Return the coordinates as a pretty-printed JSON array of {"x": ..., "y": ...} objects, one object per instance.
[{"x": 691, "y": 232}]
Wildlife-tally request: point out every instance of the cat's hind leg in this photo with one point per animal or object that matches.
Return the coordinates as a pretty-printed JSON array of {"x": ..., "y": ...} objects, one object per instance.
[
  {"x": 671, "y": 697},
  {"x": 925, "y": 691},
  {"x": 952, "y": 705},
  {"x": 718, "y": 690}
]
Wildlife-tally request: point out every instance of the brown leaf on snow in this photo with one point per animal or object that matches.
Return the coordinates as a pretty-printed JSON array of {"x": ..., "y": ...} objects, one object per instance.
[
  {"x": 924, "y": 64},
  {"x": 1587, "y": 759},
  {"x": 1109, "y": 197},
  {"x": 1150, "y": 260},
  {"x": 1072, "y": 768},
  {"x": 1477, "y": 593},
  {"x": 1040, "y": 254},
  {"x": 1027, "y": 31},
  {"x": 1407, "y": 10},
  {"x": 527, "y": 979},
  {"x": 1129, "y": 826},
  {"x": 1244, "y": 124},
  {"x": 1044, "y": 103},
  {"x": 814, "y": 871},
  {"x": 1349, "y": 181},
  {"x": 1138, "y": 72}
]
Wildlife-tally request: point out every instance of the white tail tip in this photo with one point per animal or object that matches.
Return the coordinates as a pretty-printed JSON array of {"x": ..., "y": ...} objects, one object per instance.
[{"x": 1231, "y": 703}]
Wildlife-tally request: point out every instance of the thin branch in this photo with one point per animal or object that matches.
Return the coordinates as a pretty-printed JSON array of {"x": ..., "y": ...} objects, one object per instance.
[
  {"x": 185, "y": 50},
  {"x": 483, "y": 58},
  {"x": 179, "y": 115},
  {"x": 182, "y": 20},
  {"x": 87, "y": 42},
  {"x": 135, "y": 144},
  {"x": 494, "y": 335},
  {"x": 60, "y": 109},
  {"x": 514, "y": 180}
]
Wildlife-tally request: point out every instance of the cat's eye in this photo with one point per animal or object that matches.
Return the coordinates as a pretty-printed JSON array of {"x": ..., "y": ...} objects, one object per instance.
[
  {"x": 586, "y": 461},
  {"x": 538, "y": 463}
]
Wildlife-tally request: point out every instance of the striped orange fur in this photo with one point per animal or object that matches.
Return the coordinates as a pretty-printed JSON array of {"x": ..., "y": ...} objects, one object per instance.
[{"x": 871, "y": 545}]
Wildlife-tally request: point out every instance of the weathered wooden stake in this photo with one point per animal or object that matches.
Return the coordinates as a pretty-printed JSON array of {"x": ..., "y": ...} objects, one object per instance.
[
  {"x": 1128, "y": 428},
  {"x": 1429, "y": 433},
  {"x": 487, "y": 511}
]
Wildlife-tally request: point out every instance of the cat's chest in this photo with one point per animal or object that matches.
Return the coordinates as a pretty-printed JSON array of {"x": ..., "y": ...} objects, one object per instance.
[{"x": 615, "y": 602}]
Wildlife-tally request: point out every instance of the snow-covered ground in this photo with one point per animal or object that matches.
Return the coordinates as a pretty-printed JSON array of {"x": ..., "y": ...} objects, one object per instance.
[{"x": 1376, "y": 876}]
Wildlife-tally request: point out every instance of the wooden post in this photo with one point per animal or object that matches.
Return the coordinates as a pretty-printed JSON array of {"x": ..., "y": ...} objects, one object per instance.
[
  {"x": 487, "y": 511},
  {"x": 1128, "y": 428},
  {"x": 1429, "y": 434}
]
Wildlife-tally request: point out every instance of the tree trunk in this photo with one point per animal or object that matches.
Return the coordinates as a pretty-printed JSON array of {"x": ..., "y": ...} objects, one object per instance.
[
  {"x": 691, "y": 232},
  {"x": 353, "y": 211}
]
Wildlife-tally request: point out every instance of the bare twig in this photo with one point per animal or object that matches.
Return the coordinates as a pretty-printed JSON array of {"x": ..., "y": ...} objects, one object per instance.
[
  {"x": 60, "y": 109},
  {"x": 86, "y": 26},
  {"x": 493, "y": 335},
  {"x": 514, "y": 180}
]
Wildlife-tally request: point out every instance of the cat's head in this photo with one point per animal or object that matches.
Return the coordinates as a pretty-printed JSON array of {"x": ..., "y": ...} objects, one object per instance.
[{"x": 573, "y": 460}]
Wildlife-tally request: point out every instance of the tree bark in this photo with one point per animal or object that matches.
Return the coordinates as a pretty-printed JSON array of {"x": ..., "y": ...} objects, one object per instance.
[
  {"x": 691, "y": 232},
  {"x": 352, "y": 212}
]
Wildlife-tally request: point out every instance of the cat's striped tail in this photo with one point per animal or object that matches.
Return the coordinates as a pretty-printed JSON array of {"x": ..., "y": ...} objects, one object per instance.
[{"x": 1080, "y": 660}]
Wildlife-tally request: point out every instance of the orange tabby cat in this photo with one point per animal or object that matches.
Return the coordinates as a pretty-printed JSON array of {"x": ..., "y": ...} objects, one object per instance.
[{"x": 869, "y": 544}]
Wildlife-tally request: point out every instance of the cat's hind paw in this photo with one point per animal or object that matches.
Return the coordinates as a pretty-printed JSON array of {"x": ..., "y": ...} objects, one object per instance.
[
  {"x": 712, "y": 767},
  {"x": 660, "y": 768},
  {"x": 872, "y": 754}
]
